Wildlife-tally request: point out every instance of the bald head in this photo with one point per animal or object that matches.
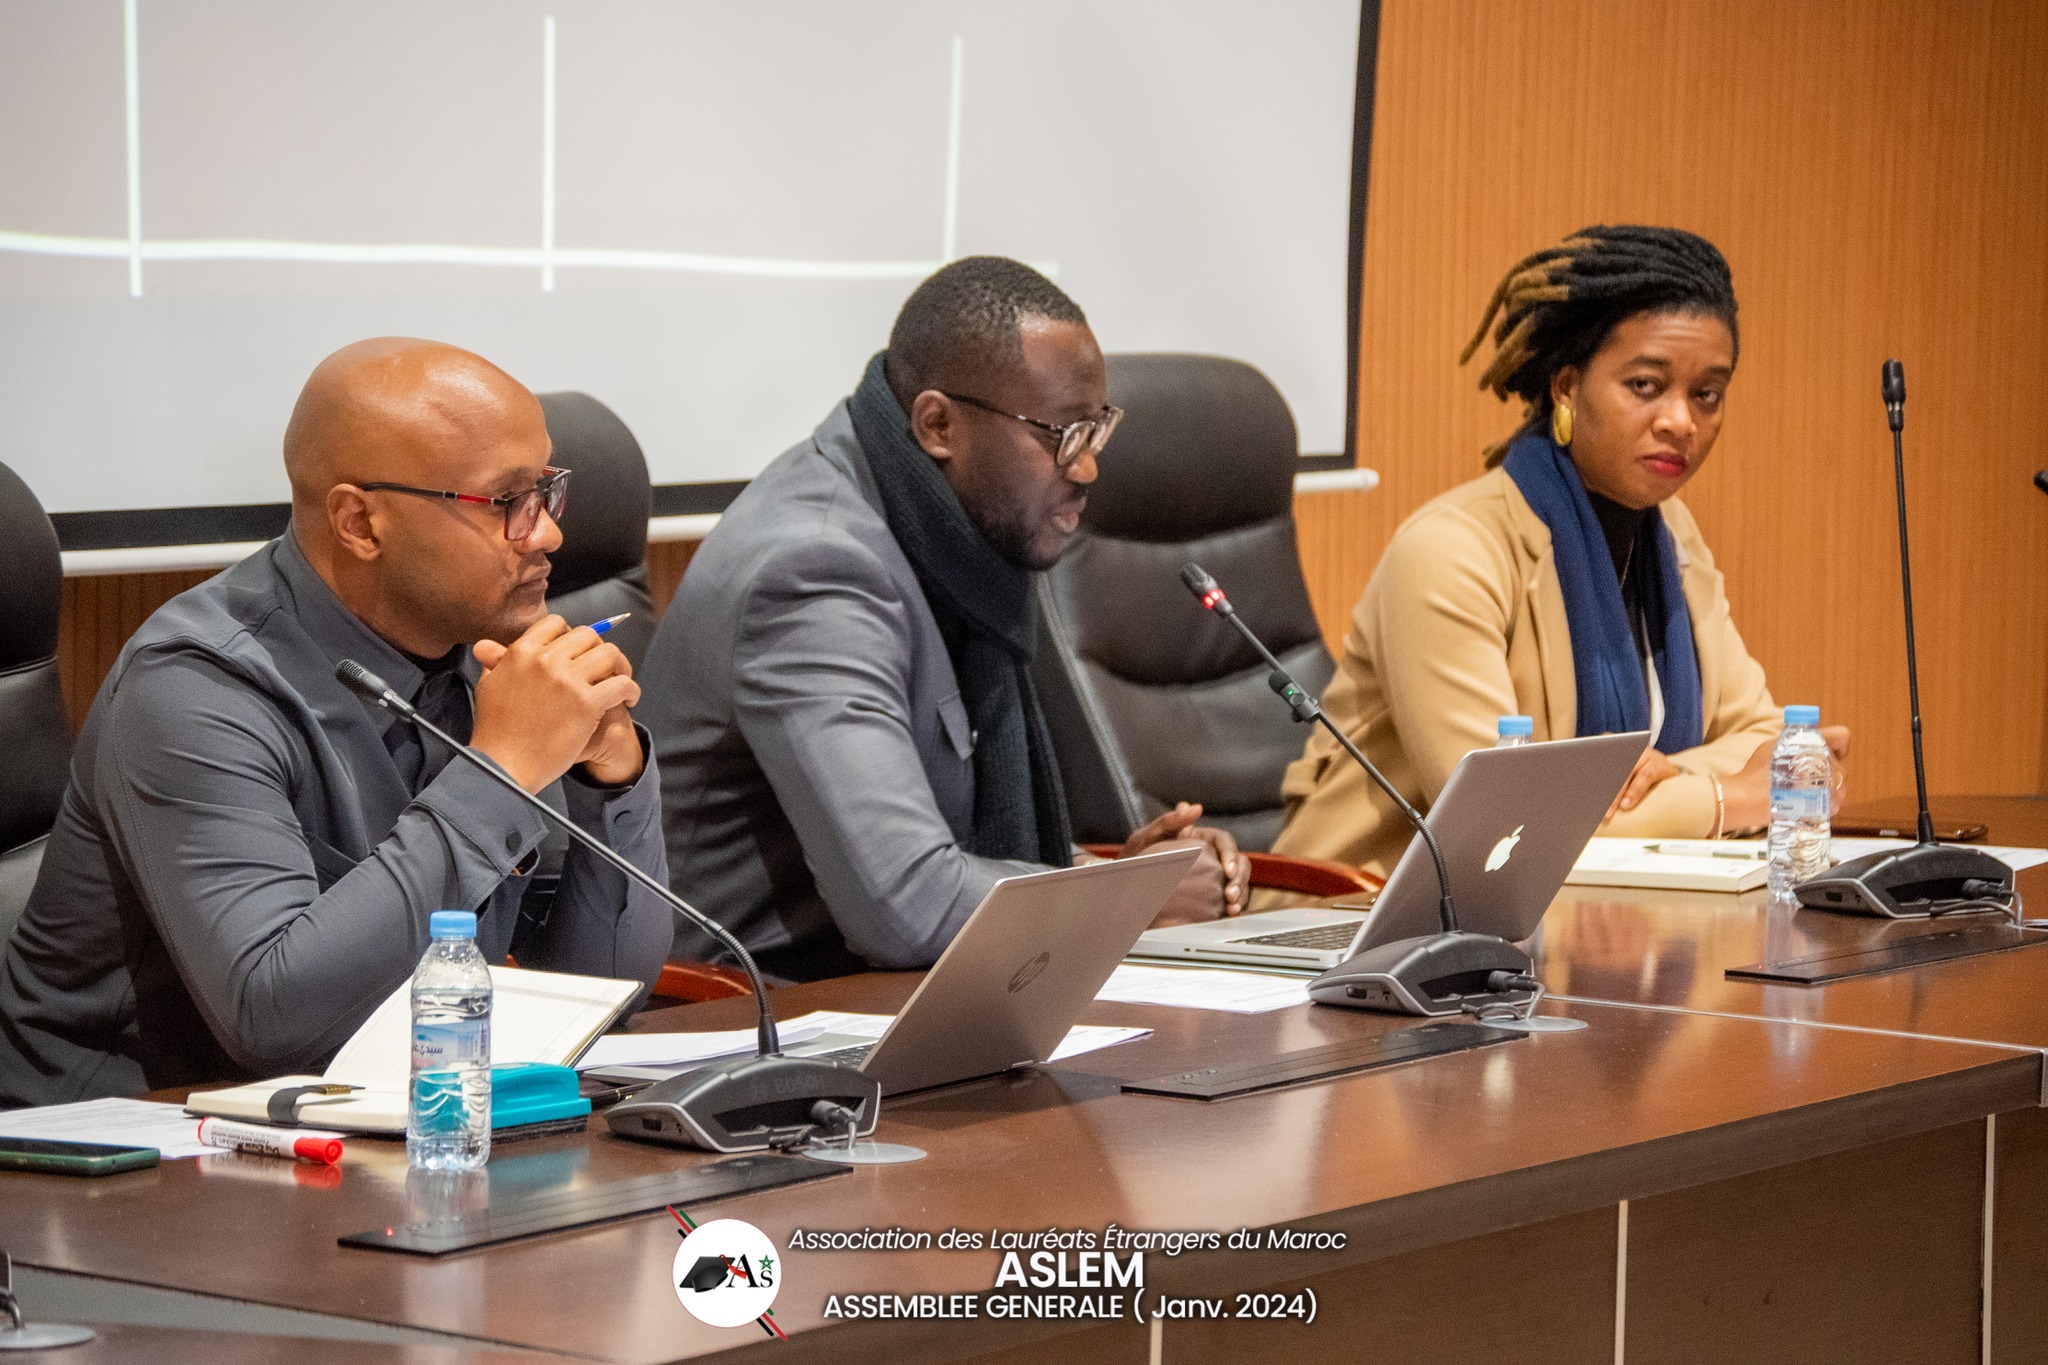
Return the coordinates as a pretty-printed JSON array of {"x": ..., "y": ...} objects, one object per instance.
[
  {"x": 424, "y": 572},
  {"x": 396, "y": 409}
]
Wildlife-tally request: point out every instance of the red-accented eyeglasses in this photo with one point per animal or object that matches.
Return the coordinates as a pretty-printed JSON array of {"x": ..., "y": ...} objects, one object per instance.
[{"x": 522, "y": 510}]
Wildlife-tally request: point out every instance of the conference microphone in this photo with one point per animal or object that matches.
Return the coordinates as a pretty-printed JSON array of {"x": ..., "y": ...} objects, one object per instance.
[
  {"x": 1892, "y": 385},
  {"x": 1930, "y": 878},
  {"x": 742, "y": 1104},
  {"x": 1443, "y": 973}
]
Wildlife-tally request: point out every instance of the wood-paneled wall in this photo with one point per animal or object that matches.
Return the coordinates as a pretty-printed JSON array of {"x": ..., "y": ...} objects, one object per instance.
[
  {"x": 1877, "y": 174},
  {"x": 98, "y": 616}
]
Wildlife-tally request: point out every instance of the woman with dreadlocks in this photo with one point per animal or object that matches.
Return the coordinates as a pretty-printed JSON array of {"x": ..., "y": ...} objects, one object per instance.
[{"x": 1567, "y": 583}]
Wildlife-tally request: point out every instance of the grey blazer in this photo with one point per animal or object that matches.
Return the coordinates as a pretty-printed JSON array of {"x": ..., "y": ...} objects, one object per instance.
[{"x": 816, "y": 764}]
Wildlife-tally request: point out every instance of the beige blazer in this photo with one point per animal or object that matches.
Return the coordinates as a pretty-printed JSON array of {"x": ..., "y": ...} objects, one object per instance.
[{"x": 1464, "y": 622}]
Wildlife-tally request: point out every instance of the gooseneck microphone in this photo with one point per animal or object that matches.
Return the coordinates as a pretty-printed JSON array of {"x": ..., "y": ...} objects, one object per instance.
[
  {"x": 1892, "y": 385},
  {"x": 738, "y": 1105},
  {"x": 1929, "y": 878},
  {"x": 1310, "y": 711},
  {"x": 1449, "y": 972}
]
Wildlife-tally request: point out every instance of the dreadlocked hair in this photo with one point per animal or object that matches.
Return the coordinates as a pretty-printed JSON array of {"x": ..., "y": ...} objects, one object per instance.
[{"x": 1557, "y": 306}]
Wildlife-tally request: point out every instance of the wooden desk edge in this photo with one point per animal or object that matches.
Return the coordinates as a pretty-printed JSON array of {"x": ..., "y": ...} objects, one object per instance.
[{"x": 1488, "y": 1204}]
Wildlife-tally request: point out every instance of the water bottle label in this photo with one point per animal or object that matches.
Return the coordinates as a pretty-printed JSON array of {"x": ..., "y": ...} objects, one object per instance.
[
  {"x": 1799, "y": 803},
  {"x": 461, "y": 1042},
  {"x": 448, "y": 1098}
]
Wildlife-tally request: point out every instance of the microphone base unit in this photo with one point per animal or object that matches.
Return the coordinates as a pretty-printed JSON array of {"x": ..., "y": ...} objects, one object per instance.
[
  {"x": 1433, "y": 975},
  {"x": 1911, "y": 883},
  {"x": 746, "y": 1104}
]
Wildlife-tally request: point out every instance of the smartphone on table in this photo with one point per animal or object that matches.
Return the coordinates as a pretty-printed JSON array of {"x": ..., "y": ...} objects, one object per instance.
[{"x": 47, "y": 1157}]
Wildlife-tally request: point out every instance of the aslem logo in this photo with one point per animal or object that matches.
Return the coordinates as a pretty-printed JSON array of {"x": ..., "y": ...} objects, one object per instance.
[
  {"x": 1028, "y": 973},
  {"x": 727, "y": 1273},
  {"x": 1503, "y": 851}
]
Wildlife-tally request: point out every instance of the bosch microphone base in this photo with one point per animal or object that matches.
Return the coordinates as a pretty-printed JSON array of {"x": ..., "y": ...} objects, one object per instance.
[
  {"x": 746, "y": 1104},
  {"x": 1435, "y": 974},
  {"x": 1912, "y": 883}
]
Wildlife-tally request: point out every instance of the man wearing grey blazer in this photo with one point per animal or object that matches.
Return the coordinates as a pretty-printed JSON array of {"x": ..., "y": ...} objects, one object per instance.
[{"x": 850, "y": 751}]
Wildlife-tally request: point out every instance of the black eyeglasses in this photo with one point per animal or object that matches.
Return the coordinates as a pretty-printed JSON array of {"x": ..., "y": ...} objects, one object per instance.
[
  {"x": 522, "y": 509},
  {"x": 1087, "y": 436}
]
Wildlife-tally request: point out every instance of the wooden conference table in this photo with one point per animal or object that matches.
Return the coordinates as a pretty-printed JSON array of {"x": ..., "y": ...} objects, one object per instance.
[
  {"x": 1705, "y": 1173},
  {"x": 1671, "y": 952}
]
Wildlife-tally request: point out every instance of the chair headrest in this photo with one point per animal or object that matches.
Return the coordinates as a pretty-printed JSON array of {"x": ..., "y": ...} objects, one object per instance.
[
  {"x": 604, "y": 530},
  {"x": 31, "y": 576},
  {"x": 1214, "y": 431}
]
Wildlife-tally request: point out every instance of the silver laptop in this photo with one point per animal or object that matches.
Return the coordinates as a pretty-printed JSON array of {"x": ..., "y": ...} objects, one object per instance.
[
  {"x": 1511, "y": 822},
  {"x": 1013, "y": 981}
]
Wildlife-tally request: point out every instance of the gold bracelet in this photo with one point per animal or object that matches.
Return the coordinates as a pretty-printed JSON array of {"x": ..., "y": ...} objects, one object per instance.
[{"x": 1720, "y": 807}]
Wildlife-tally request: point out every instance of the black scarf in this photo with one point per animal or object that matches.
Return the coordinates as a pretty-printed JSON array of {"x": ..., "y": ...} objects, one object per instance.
[{"x": 987, "y": 613}]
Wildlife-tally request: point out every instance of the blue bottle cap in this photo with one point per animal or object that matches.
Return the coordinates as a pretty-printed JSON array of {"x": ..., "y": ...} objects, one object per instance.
[
  {"x": 452, "y": 924},
  {"x": 1511, "y": 726},
  {"x": 1802, "y": 715}
]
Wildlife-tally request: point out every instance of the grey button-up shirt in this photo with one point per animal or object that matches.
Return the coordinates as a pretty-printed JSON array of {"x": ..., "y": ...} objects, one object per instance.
[{"x": 239, "y": 875}]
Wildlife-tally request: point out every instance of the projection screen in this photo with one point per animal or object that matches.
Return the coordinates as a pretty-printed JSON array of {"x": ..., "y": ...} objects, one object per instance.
[{"x": 704, "y": 214}]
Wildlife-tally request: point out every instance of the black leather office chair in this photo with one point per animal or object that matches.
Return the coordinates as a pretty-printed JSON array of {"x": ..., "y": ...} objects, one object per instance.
[
  {"x": 35, "y": 735},
  {"x": 1149, "y": 697},
  {"x": 601, "y": 569}
]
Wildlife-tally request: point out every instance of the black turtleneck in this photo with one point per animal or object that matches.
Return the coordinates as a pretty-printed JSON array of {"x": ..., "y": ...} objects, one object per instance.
[
  {"x": 1623, "y": 527},
  {"x": 1622, "y": 524}
]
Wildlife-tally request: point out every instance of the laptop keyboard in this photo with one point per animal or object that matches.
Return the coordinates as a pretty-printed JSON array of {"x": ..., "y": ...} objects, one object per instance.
[
  {"x": 843, "y": 1056},
  {"x": 1316, "y": 938}
]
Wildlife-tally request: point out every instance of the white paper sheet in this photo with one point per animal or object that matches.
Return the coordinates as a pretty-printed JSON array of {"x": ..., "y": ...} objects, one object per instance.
[
  {"x": 2018, "y": 859},
  {"x": 1092, "y": 1038},
  {"x": 1080, "y": 1038},
  {"x": 682, "y": 1049},
  {"x": 117, "y": 1122},
  {"x": 1203, "y": 988},
  {"x": 675, "y": 1049}
]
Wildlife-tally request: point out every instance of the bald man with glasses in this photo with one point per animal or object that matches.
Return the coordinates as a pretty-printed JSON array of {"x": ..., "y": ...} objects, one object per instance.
[
  {"x": 248, "y": 853},
  {"x": 852, "y": 753}
]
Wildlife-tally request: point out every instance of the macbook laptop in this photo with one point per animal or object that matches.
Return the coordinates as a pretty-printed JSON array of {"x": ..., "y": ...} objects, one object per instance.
[
  {"x": 1013, "y": 981},
  {"x": 1510, "y": 822}
]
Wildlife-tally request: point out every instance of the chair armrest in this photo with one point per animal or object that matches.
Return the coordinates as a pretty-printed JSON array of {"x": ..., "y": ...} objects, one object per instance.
[
  {"x": 1302, "y": 876},
  {"x": 1311, "y": 876},
  {"x": 695, "y": 981}
]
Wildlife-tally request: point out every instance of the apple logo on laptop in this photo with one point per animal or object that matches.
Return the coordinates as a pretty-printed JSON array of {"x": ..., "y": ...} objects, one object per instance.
[
  {"x": 1028, "y": 973},
  {"x": 1503, "y": 851}
]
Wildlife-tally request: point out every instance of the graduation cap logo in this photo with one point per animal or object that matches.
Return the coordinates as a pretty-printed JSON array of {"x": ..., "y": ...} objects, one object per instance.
[{"x": 727, "y": 1273}]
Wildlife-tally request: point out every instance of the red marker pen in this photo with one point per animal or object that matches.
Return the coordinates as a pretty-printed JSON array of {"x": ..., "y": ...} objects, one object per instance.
[{"x": 324, "y": 1148}]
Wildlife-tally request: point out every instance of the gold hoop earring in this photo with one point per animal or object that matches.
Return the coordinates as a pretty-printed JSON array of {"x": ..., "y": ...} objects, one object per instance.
[{"x": 1561, "y": 424}]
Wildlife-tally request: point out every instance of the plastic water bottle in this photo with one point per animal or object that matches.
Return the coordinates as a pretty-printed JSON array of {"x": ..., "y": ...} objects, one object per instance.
[
  {"x": 1802, "y": 771},
  {"x": 1515, "y": 731},
  {"x": 448, "y": 1120}
]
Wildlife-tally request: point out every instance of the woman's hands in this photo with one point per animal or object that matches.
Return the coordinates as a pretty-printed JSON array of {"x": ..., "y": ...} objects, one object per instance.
[
  {"x": 1746, "y": 795},
  {"x": 1653, "y": 767}
]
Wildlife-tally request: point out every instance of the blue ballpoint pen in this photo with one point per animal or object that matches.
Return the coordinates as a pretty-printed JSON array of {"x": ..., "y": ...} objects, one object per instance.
[{"x": 604, "y": 627}]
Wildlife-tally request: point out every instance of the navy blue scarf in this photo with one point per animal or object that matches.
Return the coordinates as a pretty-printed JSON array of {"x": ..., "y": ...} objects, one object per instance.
[{"x": 1606, "y": 660}]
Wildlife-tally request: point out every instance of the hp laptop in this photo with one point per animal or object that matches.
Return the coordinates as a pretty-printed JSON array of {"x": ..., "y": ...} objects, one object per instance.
[
  {"x": 1013, "y": 981},
  {"x": 1511, "y": 822}
]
